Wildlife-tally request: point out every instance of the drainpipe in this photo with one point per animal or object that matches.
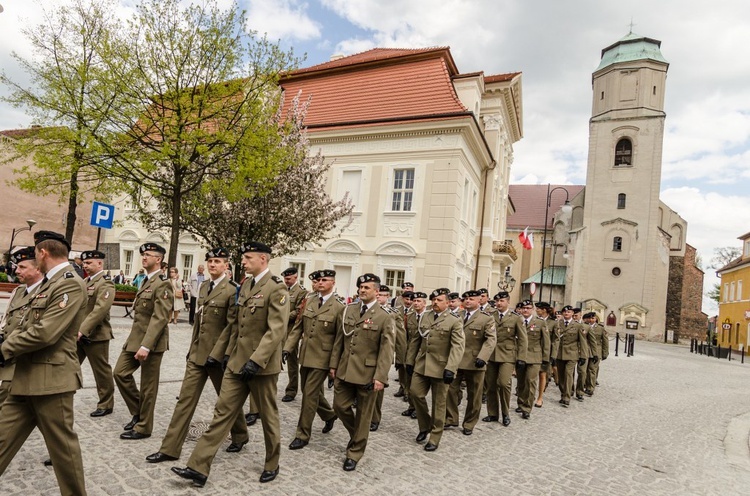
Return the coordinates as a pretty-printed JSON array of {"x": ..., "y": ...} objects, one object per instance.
[{"x": 481, "y": 221}]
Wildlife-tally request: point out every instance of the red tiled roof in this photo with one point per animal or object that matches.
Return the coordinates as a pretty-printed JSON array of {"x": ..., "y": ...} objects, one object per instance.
[
  {"x": 530, "y": 201},
  {"x": 373, "y": 56},
  {"x": 400, "y": 87},
  {"x": 21, "y": 133},
  {"x": 500, "y": 78}
]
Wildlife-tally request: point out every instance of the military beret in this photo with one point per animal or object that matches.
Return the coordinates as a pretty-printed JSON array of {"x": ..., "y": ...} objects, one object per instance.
[
  {"x": 519, "y": 305},
  {"x": 500, "y": 295},
  {"x": 289, "y": 272},
  {"x": 152, "y": 247},
  {"x": 327, "y": 273},
  {"x": 368, "y": 278},
  {"x": 438, "y": 292},
  {"x": 453, "y": 296},
  {"x": 542, "y": 304},
  {"x": 89, "y": 254},
  {"x": 40, "y": 236},
  {"x": 419, "y": 294},
  {"x": 22, "y": 254},
  {"x": 470, "y": 293},
  {"x": 588, "y": 315},
  {"x": 527, "y": 303},
  {"x": 407, "y": 285},
  {"x": 255, "y": 247},
  {"x": 384, "y": 289},
  {"x": 483, "y": 291},
  {"x": 314, "y": 275},
  {"x": 576, "y": 310},
  {"x": 407, "y": 294},
  {"x": 567, "y": 307},
  {"x": 219, "y": 252}
]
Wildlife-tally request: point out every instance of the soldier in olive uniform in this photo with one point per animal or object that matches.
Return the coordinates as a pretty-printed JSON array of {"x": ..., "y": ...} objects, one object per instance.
[
  {"x": 571, "y": 349},
  {"x": 297, "y": 295},
  {"x": 361, "y": 359},
  {"x": 27, "y": 272},
  {"x": 95, "y": 332},
  {"x": 480, "y": 340},
  {"x": 402, "y": 341},
  {"x": 434, "y": 354},
  {"x": 413, "y": 320},
  {"x": 484, "y": 302},
  {"x": 146, "y": 344},
  {"x": 454, "y": 303},
  {"x": 253, "y": 366},
  {"x": 537, "y": 356},
  {"x": 510, "y": 353},
  {"x": 598, "y": 349},
  {"x": 543, "y": 311},
  {"x": 316, "y": 329},
  {"x": 215, "y": 310},
  {"x": 581, "y": 368},
  {"x": 47, "y": 371}
]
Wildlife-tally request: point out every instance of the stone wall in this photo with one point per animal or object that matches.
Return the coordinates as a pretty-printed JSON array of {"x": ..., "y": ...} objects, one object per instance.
[{"x": 685, "y": 297}]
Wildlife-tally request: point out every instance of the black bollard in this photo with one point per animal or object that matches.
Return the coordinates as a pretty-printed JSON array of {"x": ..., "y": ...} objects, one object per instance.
[
  {"x": 627, "y": 344},
  {"x": 692, "y": 345},
  {"x": 718, "y": 351},
  {"x": 742, "y": 355},
  {"x": 617, "y": 343},
  {"x": 729, "y": 355},
  {"x": 632, "y": 344}
]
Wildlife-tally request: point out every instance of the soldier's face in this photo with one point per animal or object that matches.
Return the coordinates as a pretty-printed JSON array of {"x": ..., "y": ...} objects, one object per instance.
[
  {"x": 216, "y": 267},
  {"x": 483, "y": 299},
  {"x": 325, "y": 285},
  {"x": 290, "y": 280},
  {"x": 419, "y": 304},
  {"x": 151, "y": 261},
  {"x": 440, "y": 303},
  {"x": 383, "y": 297},
  {"x": 577, "y": 316},
  {"x": 368, "y": 291},
  {"x": 28, "y": 272},
  {"x": 526, "y": 311},
  {"x": 315, "y": 283},
  {"x": 454, "y": 304},
  {"x": 407, "y": 302},
  {"x": 254, "y": 263},
  {"x": 471, "y": 303},
  {"x": 502, "y": 304},
  {"x": 92, "y": 266},
  {"x": 567, "y": 314},
  {"x": 539, "y": 312}
]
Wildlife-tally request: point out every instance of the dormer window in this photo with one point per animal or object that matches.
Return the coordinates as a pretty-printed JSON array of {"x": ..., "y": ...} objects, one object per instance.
[{"x": 624, "y": 152}]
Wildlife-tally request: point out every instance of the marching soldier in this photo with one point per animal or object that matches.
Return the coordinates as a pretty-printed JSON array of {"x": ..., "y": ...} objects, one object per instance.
[
  {"x": 383, "y": 297},
  {"x": 47, "y": 371},
  {"x": 537, "y": 356},
  {"x": 253, "y": 366},
  {"x": 582, "y": 369},
  {"x": 510, "y": 352},
  {"x": 95, "y": 332},
  {"x": 398, "y": 301},
  {"x": 316, "y": 330},
  {"x": 480, "y": 340},
  {"x": 433, "y": 356},
  {"x": 402, "y": 341},
  {"x": 484, "y": 304},
  {"x": 297, "y": 295},
  {"x": 215, "y": 310},
  {"x": 413, "y": 321},
  {"x": 571, "y": 349},
  {"x": 454, "y": 303},
  {"x": 361, "y": 360},
  {"x": 27, "y": 272},
  {"x": 543, "y": 311},
  {"x": 146, "y": 344},
  {"x": 599, "y": 350}
]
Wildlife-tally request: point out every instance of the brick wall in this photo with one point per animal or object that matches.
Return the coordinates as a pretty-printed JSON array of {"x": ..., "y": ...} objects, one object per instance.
[{"x": 685, "y": 297}]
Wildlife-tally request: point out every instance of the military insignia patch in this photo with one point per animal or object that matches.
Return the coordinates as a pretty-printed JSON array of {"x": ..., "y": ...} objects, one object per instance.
[
  {"x": 166, "y": 294},
  {"x": 283, "y": 300},
  {"x": 69, "y": 275},
  {"x": 64, "y": 301},
  {"x": 106, "y": 295}
]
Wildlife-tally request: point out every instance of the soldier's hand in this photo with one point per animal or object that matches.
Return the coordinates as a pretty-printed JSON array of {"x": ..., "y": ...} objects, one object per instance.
[
  {"x": 249, "y": 370},
  {"x": 212, "y": 362},
  {"x": 448, "y": 376},
  {"x": 581, "y": 362},
  {"x": 594, "y": 359},
  {"x": 330, "y": 382},
  {"x": 410, "y": 369},
  {"x": 520, "y": 364},
  {"x": 284, "y": 357},
  {"x": 479, "y": 363},
  {"x": 545, "y": 364},
  {"x": 142, "y": 354},
  {"x": 224, "y": 362},
  {"x": 85, "y": 340},
  {"x": 377, "y": 385}
]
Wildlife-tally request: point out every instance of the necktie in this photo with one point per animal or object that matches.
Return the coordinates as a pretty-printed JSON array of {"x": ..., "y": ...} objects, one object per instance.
[
  {"x": 435, "y": 316},
  {"x": 44, "y": 279},
  {"x": 363, "y": 310},
  {"x": 321, "y": 301},
  {"x": 252, "y": 282},
  {"x": 466, "y": 319},
  {"x": 210, "y": 287},
  {"x": 88, "y": 279},
  {"x": 566, "y": 323},
  {"x": 502, "y": 315},
  {"x": 526, "y": 323}
]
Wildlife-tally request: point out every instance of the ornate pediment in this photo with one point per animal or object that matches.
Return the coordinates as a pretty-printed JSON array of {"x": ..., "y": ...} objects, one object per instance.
[{"x": 620, "y": 220}]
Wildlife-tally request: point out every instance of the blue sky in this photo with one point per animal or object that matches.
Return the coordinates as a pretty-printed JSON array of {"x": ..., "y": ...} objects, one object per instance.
[{"x": 557, "y": 45}]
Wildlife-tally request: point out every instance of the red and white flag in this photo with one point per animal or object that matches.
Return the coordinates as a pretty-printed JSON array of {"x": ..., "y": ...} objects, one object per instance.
[{"x": 526, "y": 238}]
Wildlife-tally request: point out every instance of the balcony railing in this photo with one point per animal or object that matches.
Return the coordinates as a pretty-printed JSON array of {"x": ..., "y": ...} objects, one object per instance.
[{"x": 504, "y": 247}]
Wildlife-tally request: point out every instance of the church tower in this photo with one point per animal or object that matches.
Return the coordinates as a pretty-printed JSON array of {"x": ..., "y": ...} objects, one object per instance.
[{"x": 621, "y": 255}]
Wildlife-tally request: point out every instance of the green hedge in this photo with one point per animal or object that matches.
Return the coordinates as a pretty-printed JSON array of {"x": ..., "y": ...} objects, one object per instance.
[
  {"x": 127, "y": 288},
  {"x": 3, "y": 277}
]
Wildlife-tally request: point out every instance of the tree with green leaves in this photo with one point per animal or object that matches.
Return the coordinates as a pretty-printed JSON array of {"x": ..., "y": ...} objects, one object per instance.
[
  {"x": 722, "y": 256},
  {"x": 65, "y": 70}
]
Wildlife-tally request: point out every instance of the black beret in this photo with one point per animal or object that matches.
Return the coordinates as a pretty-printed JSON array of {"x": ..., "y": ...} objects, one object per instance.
[
  {"x": 419, "y": 294},
  {"x": 40, "y": 236},
  {"x": 384, "y": 289},
  {"x": 567, "y": 307},
  {"x": 527, "y": 303},
  {"x": 407, "y": 285},
  {"x": 152, "y": 247},
  {"x": 368, "y": 278},
  {"x": 314, "y": 275},
  {"x": 438, "y": 292},
  {"x": 469, "y": 293},
  {"x": 95, "y": 254},
  {"x": 327, "y": 273},
  {"x": 483, "y": 291},
  {"x": 576, "y": 310},
  {"x": 407, "y": 294},
  {"x": 500, "y": 295},
  {"x": 219, "y": 252},
  {"x": 289, "y": 272},
  {"x": 255, "y": 247},
  {"x": 23, "y": 254},
  {"x": 453, "y": 296},
  {"x": 542, "y": 304},
  {"x": 519, "y": 305}
]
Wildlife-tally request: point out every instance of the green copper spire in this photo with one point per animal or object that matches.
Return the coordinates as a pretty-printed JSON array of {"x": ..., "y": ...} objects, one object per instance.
[{"x": 632, "y": 47}]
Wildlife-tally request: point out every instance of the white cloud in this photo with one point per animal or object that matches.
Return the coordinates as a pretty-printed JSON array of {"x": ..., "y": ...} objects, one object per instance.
[{"x": 282, "y": 19}]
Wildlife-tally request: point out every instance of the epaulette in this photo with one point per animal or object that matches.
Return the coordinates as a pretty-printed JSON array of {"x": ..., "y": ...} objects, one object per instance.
[
  {"x": 163, "y": 277},
  {"x": 340, "y": 299},
  {"x": 488, "y": 314},
  {"x": 388, "y": 308},
  {"x": 276, "y": 279},
  {"x": 454, "y": 313},
  {"x": 69, "y": 275},
  {"x": 234, "y": 283}
]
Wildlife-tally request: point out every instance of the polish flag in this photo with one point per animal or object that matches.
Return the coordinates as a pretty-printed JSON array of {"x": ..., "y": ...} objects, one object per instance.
[{"x": 527, "y": 239}]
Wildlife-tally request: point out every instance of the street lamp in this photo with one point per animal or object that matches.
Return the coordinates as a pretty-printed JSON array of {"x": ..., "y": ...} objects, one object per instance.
[
  {"x": 566, "y": 208},
  {"x": 508, "y": 283},
  {"x": 30, "y": 223}
]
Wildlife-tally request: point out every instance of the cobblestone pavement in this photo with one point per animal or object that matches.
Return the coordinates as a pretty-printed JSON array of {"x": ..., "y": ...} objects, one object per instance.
[{"x": 663, "y": 422}]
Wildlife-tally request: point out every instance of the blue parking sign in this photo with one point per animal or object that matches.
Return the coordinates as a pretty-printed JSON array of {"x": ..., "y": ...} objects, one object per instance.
[{"x": 102, "y": 215}]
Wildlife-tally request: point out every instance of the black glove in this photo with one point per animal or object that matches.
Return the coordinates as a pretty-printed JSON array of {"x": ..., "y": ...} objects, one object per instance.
[
  {"x": 520, "y": 364},
  {"x": 330, "y": 382},
  {"x": 399, "y": 366},
  {"x": 85, "y": 340},
  {"x": 284, "y": 357},
  {"x": 545, "y": 364},
  {"x": 410, "y": 369},
  {"x": 448, "y": 376},
  {"x": 224, "y": 362},
  {"x": 249, "y": 370},
  {"x": 212, "y": 362},
  {"x": 581, "y": 362},
  {"x": 2, "y": 338},
  {"x": 2, "y": 359},
  {"x": 595, "y": 359},
  {"x": 369, "y": 387},
  {"x": 479, "y": 363},
  {"x": 553, "y": 361},
  {"x": 604, "y": 358}
]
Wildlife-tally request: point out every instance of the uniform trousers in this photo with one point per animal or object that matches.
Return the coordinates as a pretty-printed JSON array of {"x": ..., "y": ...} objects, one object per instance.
[
  {"x": 356, "y": 423},
  {"x": 377, "y": 414},
  {"x": 143, "y": 402},
  {"x": 474, "y": 384},
  {"x": 313, "y": 400},
  {"x": 292, "y": 370},
  {"x": 193, "y": 383},
  {"x": 53, "y": 415},
  {"x": 234, "y": 390},
  {"x": 4, "y": 392},
  {"x": 98, "y": 354},
  {"x": 565, "y": 371},
  {"x": 499, "y": 377},
  {"x": 252, "y": 407},
  {"x": 582, "y": 371},
  {"x": 527, "y": 378},
  {"x": 404, "y": 380},
  {"x": 591, "y": 375},
  {"x": 420, "y": 386}
]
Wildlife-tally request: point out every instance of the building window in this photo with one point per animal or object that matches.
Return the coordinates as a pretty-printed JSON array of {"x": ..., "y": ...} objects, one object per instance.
[
  {"x": 300, "y": 266},
  {"x": 624, "y": 152},
  {"x": 731, "y": 291},
  {"x": 739, "y": 290},
  {"x": 187, "y": 267},
  {"x": 128, "y": 256},
  {"x": 726, "y": 292},
  {"x": 403, "y": 190},
  {"x": 394, "y": 278},
  {"x": 621, "y": 200},
  {"x": 465, "y": 207},
  {"x": 351, "y": 182},
  {"x": 617, "y": 243},
  {"x": 602, "y": 97}
]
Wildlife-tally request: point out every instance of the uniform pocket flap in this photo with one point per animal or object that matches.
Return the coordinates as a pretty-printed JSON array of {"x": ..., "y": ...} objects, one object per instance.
[{"x": 370, "y": 362}]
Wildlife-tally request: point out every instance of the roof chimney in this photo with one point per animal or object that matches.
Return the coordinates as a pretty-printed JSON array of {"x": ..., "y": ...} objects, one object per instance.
[{"x": 337, "y": 56}]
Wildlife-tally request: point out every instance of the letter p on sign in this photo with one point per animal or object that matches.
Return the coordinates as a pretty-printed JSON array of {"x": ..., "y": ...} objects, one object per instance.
[{"x": 102, "y": 215}]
